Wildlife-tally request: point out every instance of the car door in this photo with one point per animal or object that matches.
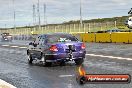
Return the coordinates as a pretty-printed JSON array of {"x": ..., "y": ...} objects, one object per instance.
[
  {"x": 38, "y": 48},
  {"x": 34, "y": 48},
  {"x": 41, "y": 46},
  {"x": 44, "y": 45}
]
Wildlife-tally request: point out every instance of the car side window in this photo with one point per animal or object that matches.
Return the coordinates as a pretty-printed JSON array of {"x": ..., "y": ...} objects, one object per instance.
[
  {"x": 37, "y": 40},
  {"x": 42, "y": 41}
]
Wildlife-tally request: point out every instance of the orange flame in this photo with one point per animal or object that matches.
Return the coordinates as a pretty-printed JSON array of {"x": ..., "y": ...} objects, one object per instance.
[{"x": 82, "y": 72}]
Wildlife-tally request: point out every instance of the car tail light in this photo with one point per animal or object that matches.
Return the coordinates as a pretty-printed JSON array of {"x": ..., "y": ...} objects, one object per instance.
[
  {"x": 83, "y": 46},
  {"x": 53, "y": 48}
]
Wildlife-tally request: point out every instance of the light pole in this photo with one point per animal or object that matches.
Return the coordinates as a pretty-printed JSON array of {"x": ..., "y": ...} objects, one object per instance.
[
  {"x": 39, "y": 15},
  {"x": 130, "y": 12},
  {"x": 14, "y": 14},
  {"x": 34, "y": 16},
  {"x": 45, "y": 20},
  {"x": 80, "y": 15}
]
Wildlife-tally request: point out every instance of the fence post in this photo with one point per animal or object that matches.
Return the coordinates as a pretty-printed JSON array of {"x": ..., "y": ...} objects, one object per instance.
[
  {"x": 101, "y": 26},
  {"x": 115, "y": 23},
  {"x": 62, "y": 28},
  {"x": 66, "y": 28},
  {"x": 69, "y": 28},
  {"x": 74, "y": 27},
  {"x": 89, "y": 30},
  {"x": 84, "y": 27},
  {"x": 79, "y": 28},
  {"x": 45, "y": 29},
  {"x": 58, "y": 28},
  {"x": 55, "y": 29}
]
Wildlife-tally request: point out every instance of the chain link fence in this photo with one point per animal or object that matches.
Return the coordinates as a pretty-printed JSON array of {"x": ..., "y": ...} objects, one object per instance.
[{"x": 65, "y": 28}]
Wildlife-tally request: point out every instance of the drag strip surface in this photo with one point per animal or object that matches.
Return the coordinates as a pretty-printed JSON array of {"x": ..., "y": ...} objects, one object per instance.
[{"x": 14, "y": 68}]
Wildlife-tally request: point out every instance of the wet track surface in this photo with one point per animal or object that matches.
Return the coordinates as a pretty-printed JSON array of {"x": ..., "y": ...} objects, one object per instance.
[{"x": 15, "y": 69}]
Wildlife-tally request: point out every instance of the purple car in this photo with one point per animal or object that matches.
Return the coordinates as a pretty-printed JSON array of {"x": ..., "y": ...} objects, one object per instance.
[{"x": 56, "y": 47}]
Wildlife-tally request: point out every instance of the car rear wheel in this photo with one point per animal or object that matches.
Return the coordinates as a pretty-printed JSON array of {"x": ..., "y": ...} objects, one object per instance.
[
  {"x": 48, "y": 64},
  {"x": 62, "y": 63},
  {"x": 44, "y": 60},
  {"x": 30, "y": 60},
  {"x": 79, "y": 61}
]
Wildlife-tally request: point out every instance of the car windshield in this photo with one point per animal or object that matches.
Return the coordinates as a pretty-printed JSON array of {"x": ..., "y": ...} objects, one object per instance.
[{"x": 61, "y": 38}]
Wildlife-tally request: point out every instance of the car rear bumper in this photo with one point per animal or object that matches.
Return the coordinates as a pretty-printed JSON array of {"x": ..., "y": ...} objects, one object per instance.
[{"x": 64, "y": 56}]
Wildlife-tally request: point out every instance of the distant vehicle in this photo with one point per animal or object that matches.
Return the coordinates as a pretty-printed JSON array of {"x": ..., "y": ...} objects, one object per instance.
[
  {"x": 6, "y": 37},
  {"x": 129, "y": 22},
  {"x": 113, "y": 30},
  {"x": 58, "y": 47}
]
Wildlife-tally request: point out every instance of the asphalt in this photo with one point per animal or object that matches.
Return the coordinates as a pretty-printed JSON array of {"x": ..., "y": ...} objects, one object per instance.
[{"x": 14, "y": 67}]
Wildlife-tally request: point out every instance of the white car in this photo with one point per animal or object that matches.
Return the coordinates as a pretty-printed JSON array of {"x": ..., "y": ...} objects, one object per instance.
[{"x": 129, "y": 22}]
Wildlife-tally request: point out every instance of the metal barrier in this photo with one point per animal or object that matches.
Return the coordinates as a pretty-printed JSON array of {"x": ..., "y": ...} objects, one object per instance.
[
  {"x": 117, "y": 37},
  {"x": 103, "y": 37},
  {"x": 22, "y": 37},
  {"x": 120, "y": 37},
  {"x": 130, "y": 37}
]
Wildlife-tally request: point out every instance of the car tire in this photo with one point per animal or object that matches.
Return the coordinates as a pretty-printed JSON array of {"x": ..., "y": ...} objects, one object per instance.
[
  {"x": 79, "y": 61},
  {"x": 62, "y": 63},
  {"x": 30, "y": 60},
  {"x": 44, "y": 60},
  {"x": 48, "y": 64}
]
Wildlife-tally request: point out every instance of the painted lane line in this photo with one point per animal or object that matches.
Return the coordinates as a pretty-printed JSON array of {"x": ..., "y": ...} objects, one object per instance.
[
  {"x": 14, "y": 46},
  {"x": 112, "y": 57},
  {"x": 61, "y": 76},
  {"x": 4, "y": 84},
  {"x": 23, "y": 47},
  {"x": 4, "y": 45}
]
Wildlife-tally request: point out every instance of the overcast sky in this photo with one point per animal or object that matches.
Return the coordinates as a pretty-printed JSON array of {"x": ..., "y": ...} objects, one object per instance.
[{"x": 59, "y": 11}]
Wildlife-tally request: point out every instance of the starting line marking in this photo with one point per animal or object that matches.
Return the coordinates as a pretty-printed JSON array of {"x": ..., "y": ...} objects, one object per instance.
[
  {"x": 4, "y": 84},
  {"x": 120, "y": 58}
]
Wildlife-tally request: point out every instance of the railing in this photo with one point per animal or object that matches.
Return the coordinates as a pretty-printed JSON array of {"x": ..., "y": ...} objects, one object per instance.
[{"x": 65, "y": 28}]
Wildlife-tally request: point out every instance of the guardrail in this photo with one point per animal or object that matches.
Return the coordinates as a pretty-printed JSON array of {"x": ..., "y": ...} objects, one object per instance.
[{"x": 116, "y": 37}]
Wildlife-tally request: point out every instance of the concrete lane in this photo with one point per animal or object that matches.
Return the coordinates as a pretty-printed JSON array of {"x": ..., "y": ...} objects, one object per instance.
[{"x": 15, "y": 69}]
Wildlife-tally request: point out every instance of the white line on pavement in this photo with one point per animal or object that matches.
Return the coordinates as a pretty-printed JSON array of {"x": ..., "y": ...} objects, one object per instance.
[
  {"x": 23, "y": 47},
  {"x": 65, "y": 76},
  {"x": 4, "y": 84},
  {"x": 120, "y": 58},
  {"x": 14, "y": 46},
  {"x": 4, "y": 45}
]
